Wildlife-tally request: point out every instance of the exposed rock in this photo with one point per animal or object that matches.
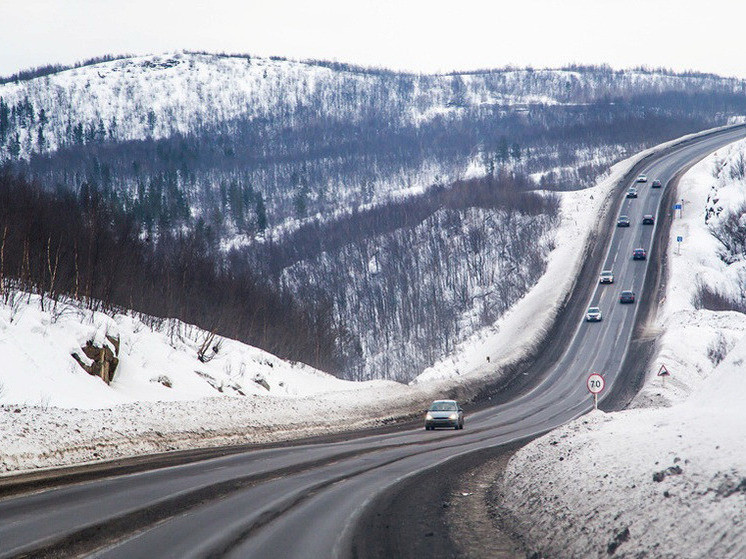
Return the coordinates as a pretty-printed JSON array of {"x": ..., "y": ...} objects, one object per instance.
[
  {"x": 261, "y": 381},
  {"x": 102, "y": 361},
  {"x": 673, "y": 470},
  {"x": 618, "y": 540},
  {"x": 162, "y": 379},
  {"x": 730, "y": 487}
]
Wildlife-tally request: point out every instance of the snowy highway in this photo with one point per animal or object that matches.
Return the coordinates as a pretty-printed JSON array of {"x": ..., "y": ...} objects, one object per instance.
[{"x": 305, "y": 500}]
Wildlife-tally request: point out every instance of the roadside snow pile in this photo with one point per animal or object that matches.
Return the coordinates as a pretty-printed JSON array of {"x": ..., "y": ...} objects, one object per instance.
[{"x": 666, "y": 482}]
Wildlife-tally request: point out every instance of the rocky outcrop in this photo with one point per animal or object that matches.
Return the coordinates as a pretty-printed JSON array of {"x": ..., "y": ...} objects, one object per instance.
[{"x": 100, "y": 361}]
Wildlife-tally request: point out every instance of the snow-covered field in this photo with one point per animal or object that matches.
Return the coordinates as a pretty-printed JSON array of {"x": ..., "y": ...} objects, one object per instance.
[
  {"x": 54, "y": 413},
  {"x": 667, "y": 479}
]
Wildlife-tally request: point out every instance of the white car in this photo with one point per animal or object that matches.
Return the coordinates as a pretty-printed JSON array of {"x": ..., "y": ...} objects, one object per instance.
[
  {"x": 642, "y": 178},
  {"x": 607, "y": 276},
  {"x": 593, "y": 315}
]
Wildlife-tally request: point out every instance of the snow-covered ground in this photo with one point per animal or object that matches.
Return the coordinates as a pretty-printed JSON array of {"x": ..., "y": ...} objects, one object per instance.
[
  {"x": 156, "y": 364},
  {"x": 667, "y": 479},
  {"x": 54, "y": 413}
]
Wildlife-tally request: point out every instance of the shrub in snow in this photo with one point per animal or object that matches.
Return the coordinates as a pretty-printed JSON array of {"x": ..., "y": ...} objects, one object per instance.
[{"x": 718, "y": 349}]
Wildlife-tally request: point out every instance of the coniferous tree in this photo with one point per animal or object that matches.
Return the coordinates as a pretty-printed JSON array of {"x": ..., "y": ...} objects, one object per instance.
[{"x": 261, "y": 213}]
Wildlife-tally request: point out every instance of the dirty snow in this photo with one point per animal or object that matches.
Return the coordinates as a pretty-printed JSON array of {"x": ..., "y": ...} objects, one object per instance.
[{"x": 663, "y": 481}]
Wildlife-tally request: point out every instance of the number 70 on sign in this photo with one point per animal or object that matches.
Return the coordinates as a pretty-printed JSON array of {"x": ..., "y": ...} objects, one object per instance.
[{"x": 595, "y": 384}]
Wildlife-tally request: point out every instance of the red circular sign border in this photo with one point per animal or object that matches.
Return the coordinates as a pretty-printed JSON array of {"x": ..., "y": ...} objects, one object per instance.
[{"x": 603, "y": 383}]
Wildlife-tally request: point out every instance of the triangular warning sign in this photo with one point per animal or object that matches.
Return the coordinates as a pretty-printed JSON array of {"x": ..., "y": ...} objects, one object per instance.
[{"x": 663, "y": 372}]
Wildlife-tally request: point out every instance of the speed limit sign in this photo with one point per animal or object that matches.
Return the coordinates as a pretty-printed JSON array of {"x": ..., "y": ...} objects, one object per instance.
[{"x": 595, "y": 385}]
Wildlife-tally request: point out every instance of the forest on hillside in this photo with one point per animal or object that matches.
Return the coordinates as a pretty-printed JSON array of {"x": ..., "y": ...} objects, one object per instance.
[
  {"x": 62, "y": 245},
  {"x": 393, "y": 211}
]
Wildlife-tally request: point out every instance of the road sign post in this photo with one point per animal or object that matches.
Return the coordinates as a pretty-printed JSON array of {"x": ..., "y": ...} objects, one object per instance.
[
  {"x": 679, "y": 239},
  {"x": 663, "y": 373},
  {"x": 595, "y": 384},
  {"x": 677, "y": 207}
]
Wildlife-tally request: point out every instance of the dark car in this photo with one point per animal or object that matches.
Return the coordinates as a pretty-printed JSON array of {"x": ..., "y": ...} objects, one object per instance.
[
  {"x": 639, "y": 254},
  {"x": 623, "y": 221},
  {"x": 444, "y": 413},
  {"x": 627, "y": 297},
  {"x": 632, "y": 192},
  {"x": 656, "y": 184},
  {"x": 648, "y": 219}
]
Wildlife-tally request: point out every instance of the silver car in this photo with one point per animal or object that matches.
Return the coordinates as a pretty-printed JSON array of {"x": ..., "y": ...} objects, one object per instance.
[
  {"x": 444, "y": 413},
  {"x": 593, "y": 315}
]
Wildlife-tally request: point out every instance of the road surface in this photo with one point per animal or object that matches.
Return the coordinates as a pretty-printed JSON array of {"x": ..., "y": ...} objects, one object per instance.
[{"x": 304, "y": 500}]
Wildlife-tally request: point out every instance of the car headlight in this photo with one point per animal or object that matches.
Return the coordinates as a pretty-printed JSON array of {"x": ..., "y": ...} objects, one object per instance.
[
  {"x": 453, "y": 416},
  {"x": 429, "y": 416}
]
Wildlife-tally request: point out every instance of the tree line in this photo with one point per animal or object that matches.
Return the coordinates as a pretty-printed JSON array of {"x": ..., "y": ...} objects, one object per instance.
[{"x": 54, "y": 243}]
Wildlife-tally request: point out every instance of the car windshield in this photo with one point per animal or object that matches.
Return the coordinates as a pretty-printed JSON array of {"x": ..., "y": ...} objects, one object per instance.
[
  {"x": 593, "y": 310},
  {"x": 605, "y": 273},
  {"x": 443, "y": 406},
  {"x": 623, "y": 217}
]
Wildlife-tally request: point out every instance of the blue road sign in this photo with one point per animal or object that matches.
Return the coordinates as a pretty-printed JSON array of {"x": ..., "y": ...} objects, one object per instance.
[
  {"x": 679, "y": 239},
  {"x": 677, "y": 206}
]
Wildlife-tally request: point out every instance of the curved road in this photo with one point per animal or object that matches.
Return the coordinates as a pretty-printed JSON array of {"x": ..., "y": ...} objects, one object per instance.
[{"x": 304, "y": 500}]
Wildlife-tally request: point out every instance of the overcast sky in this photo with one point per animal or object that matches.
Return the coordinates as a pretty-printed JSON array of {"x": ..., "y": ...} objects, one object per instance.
[{"x": 416, "y": 35}]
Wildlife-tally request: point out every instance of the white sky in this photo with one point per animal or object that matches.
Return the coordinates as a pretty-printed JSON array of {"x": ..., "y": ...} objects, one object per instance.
[{"x": 417, "y": 35}]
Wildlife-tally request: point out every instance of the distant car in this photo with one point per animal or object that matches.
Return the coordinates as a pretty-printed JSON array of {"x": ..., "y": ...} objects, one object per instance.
[
  {"x": 648, "y": 219},
  {"x": 627, "y": 297},
  {"x": 623, "y": 221},
  {"x": 444, "y": 413},
  {"x": 656, "y": 184},
  {"x": 632, "y": 192},
  {"x": 642, "y": 178},
  {"x": 639, "y": 254},
  {"x": 593, "y": 315},
  {"x": 607, "y": 276}
]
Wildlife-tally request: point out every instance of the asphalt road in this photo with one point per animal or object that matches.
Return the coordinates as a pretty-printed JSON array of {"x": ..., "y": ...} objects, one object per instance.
[{"x": 305, "y": 500}]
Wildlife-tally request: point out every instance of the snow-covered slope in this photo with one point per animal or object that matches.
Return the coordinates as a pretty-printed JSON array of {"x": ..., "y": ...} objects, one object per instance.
[
  {"x": 655, "y": 482},
  {"x": 150, "y": 97},
  {"x": 157, "y": 363}
]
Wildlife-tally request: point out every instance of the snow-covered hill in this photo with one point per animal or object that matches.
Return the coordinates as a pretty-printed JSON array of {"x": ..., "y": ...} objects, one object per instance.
[
  {"x": 157, "y": 96},
  {"x": 671, "y": 481}
]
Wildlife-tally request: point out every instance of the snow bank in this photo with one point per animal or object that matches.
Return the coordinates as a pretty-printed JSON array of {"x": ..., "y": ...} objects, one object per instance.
[{"x": 662, "y": 482}]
